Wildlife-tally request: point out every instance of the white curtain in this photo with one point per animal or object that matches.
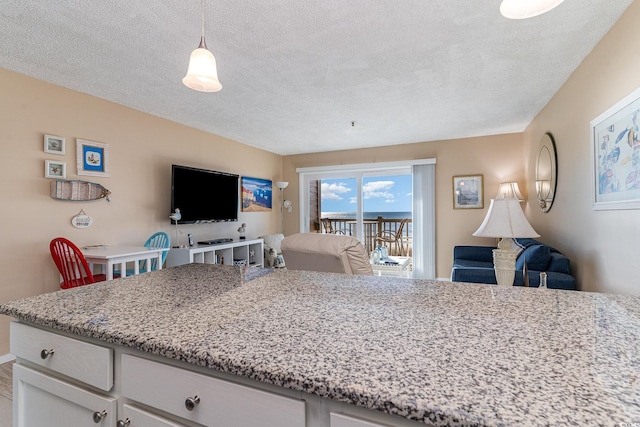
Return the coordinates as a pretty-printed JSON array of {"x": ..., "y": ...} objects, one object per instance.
[{"x": 424, "y": 221}]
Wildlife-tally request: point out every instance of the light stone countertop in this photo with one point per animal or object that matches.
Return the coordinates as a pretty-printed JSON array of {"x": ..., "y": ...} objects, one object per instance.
[{"x": 441, "y": 353}]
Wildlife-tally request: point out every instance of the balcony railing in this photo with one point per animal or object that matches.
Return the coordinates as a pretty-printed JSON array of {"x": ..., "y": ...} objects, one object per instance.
[{"x": 394, "y": 234}]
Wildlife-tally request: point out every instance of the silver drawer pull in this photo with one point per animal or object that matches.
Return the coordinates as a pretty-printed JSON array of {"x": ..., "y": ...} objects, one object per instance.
[
  {"x": 46, "y": 353},
  {"x": 124, "y": 423},
  {"x": 191, "y": 403},
  {"x": 99, "y": 416}
]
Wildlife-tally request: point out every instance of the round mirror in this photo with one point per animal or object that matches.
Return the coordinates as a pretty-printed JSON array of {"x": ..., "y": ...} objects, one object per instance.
[{"x": 546, "y": 172}]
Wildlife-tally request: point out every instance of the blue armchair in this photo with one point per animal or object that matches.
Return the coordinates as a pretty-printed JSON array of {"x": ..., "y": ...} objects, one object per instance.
[{"x": 475, "y": 264}]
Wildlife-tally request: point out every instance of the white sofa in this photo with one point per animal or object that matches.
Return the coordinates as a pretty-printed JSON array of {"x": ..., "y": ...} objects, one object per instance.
[{"x": 325, "y": 252}]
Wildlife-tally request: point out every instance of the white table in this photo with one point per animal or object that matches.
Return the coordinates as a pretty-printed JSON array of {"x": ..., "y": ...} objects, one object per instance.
[
  {"x": 399, "y": 269},
  {"x": 117, "y": 255}
]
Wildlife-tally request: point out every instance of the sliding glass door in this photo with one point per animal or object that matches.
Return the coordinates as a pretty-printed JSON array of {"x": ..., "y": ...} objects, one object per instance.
[{"x": 374, "y": 203}]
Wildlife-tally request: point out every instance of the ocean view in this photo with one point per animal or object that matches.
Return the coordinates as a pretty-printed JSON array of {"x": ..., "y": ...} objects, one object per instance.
[{"x": 367, "y": 215}]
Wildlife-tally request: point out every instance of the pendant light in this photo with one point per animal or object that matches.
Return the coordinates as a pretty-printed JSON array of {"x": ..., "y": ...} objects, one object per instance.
[
  {"x": 522, "y": 9},
  {"x": 202, "y": 74}
]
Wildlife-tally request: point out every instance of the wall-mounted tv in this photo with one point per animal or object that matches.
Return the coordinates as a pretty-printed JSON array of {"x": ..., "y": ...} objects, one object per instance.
[{"x": 204, "y": 195}]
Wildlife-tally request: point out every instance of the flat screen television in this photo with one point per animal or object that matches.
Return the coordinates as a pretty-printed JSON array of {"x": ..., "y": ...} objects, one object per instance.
[{"x": 204, "y": 195}]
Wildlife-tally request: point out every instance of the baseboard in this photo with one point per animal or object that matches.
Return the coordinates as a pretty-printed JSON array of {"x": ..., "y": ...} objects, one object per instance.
[{"x": 7, "y": 358}]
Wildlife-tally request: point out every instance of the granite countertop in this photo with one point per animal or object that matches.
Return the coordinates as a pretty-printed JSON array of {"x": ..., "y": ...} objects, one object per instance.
[{"x": 441, "y": 353}]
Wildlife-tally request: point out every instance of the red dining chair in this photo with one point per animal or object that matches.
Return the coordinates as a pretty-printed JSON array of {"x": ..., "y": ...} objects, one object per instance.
[{"x": 72, "y": 265}]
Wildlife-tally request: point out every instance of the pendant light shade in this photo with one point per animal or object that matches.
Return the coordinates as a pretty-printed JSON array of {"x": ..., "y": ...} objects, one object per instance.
[
  {"x": 202, "y": 74},
  {"x": 522, "y": 9}
]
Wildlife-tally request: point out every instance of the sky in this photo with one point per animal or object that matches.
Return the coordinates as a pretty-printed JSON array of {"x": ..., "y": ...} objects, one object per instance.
[{"x": 380, "y": 194}]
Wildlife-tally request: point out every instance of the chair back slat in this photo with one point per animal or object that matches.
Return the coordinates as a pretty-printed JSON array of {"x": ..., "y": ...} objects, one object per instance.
[{"x": 71, "y": 263}]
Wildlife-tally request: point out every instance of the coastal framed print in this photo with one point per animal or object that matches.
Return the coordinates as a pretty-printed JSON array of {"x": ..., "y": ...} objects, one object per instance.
[
  {"x": 55, "y": 169},
  {"x": 54, "y": 145},
  {"x": 468, "y": 192},
  {"x": 92, "y": 157},
  {"x": 256, "y": 195},
  {"x": 615, "y": 156}
]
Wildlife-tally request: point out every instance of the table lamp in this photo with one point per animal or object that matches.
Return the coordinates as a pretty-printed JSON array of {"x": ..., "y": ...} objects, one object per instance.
[{"x": 506, "y": 221}]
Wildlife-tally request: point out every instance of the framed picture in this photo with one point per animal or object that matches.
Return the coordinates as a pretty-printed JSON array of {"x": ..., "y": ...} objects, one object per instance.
[
  {"x": 615, "y": 154},
  {"x": 55, "y": 169},
  {"x": 256, "y": 195},
  {"x": 54, "y": 144},
  {"x": 93, "y": 158},
  {"x": 468, "y": 192}
]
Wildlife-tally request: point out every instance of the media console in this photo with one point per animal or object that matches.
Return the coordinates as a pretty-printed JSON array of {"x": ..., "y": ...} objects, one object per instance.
[{"x": 244, "y": 252}]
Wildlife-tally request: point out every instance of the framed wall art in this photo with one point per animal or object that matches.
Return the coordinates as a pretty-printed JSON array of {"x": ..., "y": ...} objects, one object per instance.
[
  {"x": 92, "y": 157},
  {"x": 256, "y": 195},
  {"x": 54, "y": 144},
  {"x": 468, "y": 192},
  {"x": 55, "y": 169},
  {"x": 615, "y": 154}
]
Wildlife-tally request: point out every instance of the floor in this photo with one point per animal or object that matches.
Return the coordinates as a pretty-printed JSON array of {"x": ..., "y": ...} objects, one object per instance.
[{"x": 5, "y": 394}]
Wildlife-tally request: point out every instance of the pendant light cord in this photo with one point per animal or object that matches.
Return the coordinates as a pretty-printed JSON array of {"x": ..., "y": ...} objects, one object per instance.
[
  {"x": 202, "y": 42},
  {"x": 202, "y": 14}
]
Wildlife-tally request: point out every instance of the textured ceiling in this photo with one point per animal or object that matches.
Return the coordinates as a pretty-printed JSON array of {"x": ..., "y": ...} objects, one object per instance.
[{"x": 295, "y": 74}]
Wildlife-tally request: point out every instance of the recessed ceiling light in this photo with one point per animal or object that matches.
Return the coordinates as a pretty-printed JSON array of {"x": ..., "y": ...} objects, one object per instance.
[{"x": 522, "y": 9}]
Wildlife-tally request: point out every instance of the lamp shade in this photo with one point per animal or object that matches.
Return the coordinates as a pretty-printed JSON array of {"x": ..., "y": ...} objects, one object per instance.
[
  {"x": 522, "y": 9},
  {"x": 509, "y": 190},
  {"x": 202, "y": 74},
  {"x": 505, "y": 219},
  {"x": 282, "y": 184}
]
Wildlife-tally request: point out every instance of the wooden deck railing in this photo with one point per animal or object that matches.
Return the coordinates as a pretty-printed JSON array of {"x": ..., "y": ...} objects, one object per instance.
[{"x": 383, "y": 231}]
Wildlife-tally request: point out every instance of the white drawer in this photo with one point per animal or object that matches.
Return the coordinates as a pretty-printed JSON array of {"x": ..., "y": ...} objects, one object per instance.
[
  {"x": 141, "y": 418},
  {"x": 339, "y": 420},
  {"x": 82, "y": 361},
  {"x": 221, "y": 403}
]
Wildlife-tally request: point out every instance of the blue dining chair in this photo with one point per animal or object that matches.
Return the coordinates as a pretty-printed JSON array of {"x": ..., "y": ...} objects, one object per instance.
[{"x": 157, "y": 240}]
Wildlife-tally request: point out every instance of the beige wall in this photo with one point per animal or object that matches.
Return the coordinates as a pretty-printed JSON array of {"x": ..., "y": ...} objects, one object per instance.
[
  {"x": 142, "y": 149},
  {"x": 601, "y": 244},
  {"x": 498, "y": 158}
]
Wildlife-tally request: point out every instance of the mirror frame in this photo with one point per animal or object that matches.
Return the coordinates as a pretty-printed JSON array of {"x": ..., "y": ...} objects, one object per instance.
[{"x": 546, "y": 148}]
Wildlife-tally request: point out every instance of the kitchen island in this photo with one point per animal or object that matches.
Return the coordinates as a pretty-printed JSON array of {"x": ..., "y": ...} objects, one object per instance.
[{"x": 361, "y": 350}]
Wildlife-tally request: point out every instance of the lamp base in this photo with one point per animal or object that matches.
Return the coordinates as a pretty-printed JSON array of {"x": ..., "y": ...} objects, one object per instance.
[{"x": 504, "y": 265}]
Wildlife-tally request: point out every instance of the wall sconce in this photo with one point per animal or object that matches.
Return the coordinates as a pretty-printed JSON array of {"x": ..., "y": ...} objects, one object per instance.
[{"x": 509, "y": 190}]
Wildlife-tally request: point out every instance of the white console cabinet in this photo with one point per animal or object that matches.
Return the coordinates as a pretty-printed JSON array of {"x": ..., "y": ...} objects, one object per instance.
[{"x": 251, "y": 251}]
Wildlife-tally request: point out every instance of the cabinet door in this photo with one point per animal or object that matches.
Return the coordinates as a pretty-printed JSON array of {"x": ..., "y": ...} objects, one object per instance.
[
  {"x": 44, "y": 401},
  {"x": 338, "y": 420},
  {"x": 140, "y": 418},
  {"x": 206, "y": 400}
]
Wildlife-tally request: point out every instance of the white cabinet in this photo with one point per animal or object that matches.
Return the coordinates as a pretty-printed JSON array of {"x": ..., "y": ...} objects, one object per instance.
[
  {"x": 206, "y": 400},
  {"x": 85, "y": 362},
  {"x": 339, "y": 420},
  {"x": 251, "y": 251},
  {"x": 132, "y": 416},
  {"x": 44, "y": 401}
]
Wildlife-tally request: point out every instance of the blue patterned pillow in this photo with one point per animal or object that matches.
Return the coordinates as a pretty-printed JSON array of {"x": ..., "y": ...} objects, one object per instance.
[{"x": 537, "y": 257}]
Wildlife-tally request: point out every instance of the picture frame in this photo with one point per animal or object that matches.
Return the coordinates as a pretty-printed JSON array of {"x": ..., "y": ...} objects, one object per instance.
[
  {"x": 92, "y": 158},
  {"x": 55, "y": 169},
  {"x": 468, "y": 192},
  {"x": 257, "y": 194},
  {"x": 54, "y": 145},
  {"x": 615, "y": 155}
]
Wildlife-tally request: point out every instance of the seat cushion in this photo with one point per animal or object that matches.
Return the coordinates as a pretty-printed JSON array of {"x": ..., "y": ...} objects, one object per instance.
[{"x": 537, "y": 258}]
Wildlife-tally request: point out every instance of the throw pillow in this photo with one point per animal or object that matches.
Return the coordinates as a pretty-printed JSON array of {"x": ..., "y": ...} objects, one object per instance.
[{"x": 537, "y": 257}]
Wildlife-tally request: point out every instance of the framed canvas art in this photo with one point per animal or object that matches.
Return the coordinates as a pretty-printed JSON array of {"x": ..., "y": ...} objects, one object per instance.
[
  {"x": 256, "y": 195},
  {"x": 92, "y": 157},
  {"x": 615, "y": 153},
  {"x": 54, "y": 144},
  {"x": 468, "y": 192}
]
